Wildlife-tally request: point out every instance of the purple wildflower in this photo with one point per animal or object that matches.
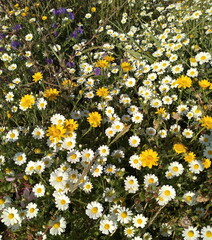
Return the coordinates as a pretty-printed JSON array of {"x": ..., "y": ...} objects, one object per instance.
[
  {"x": 97, "y": 71},
  {"x": 71, "y": 16}
]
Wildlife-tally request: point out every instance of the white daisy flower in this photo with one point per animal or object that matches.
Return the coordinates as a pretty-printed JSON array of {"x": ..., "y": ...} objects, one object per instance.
[
  {"x": 38, "y": 133},
  {"x": 12, "y": 135},
  {"x": 107, "y": 226},
  {"x": 31, "y": 210},
  {"x": 139, "y": 221},
  {"x": 203, "y": 57},
  {"x": 196, "y": 166},
  {"x": 30, "y": 168},
  {"x": 104, "y": 151},
  {"x": 208, "y": 152},
  {"x": 190, "y": 198},
  {"x": 150, "y": 131},
  {"x": 87, "y": 154},
  {"x": 137, "y": 117},
  {"x": 134, "y": 141},
  {"x": 62, "y": 202},
  {"x": 156, "y": 103},
  {"x": 28, "y": 37},
  {"x": 167, "y": 192},
  {"x": 206, "y": 233},
  {"x": 58, "y": 226},
  {"x": 135, "y": 162},
  {"x": 87, "y": 187},
  {"x": 96, "y": 170},
  {"x": 58, "y": 179},
  {"x": 124, "y": 215},
  {"x": 10, "y": 216},
  {"x": 39, "y": 167},
  {"x": 94, "y": 210},
  {"x": 117, "y": 126},
  {"x": 190, "y": 233},
  {"x": 162, "y": 133},
  {"x": 176, "y": 168},
  {"x": 131, "y": 184},
  {"x": 39, "y": 190},
  {"x": 20, "y": 158},
  {"x": 9, "y": 97},
  {"x": 73, "y": 156},
  {"x": 192, "y": 72},
  {"x": 150, "y": 180},
  {"x": 187, "y": 133},
  {"x": 41, "y": 103},
  {"x": 129, "y": 231},
  {"x": 68, "y": 143}
]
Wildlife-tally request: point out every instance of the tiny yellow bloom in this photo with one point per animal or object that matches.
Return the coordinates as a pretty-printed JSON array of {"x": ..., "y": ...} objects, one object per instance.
[
  {"x": 25, "y": 177},
  {"x": 149, "y": 158},
  {"x": 109, "y": 58},
  {"x": 93, "y": 9},
  {"x": 126, "y": 66},
  {"x": 26, "y": 102},
  {"x": 206, "y": 162},
  {"x": 179, "y": 148},
  {"x": 102, "y": 63},
  {"x": 94, "y": 119},
  {"x": 37, "y": 76},
  {"x": 189, "y": 157},
  {"x": 102, "y": 92},
  {"x": 206, "y": 122},
  {"x": 23, "y": 14},
  {"x": 44, "y": 18},
  {"x": 204, "y": 83},
  {"x": 55, "y": 132},
  {"x": 51, "y": 94},
  {"x": 9, "y": 114},
  {"x": 183, "y": 82}
]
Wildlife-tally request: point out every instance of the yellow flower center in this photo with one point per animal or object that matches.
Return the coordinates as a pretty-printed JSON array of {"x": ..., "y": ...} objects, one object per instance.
[
  {"x": 39, "y": 190},
  {"x": 59, "y": 179},
  {"x": 190, "y": 233},
  {"x": 107, "y": 226},
  {"x": 151, "y": 180},
  {"x": 129, "y": 231},
  {"x": 31, "y": 210},
  {"x": 73, "y": 156},
  {"x": 87, "y": 155},
  {"x": 196, "y": 166},
  {"x": 11, "y": 216},
  {"x": 94, "y": 210},
  {"x": 208, "y": 234},
  {"x": 38, "y": 168},
  {"x": 175, "y": 169},
  {"x": 63, "y": 202},
  {"x": 167, "y": 192},
  {"x": 131, "y": 181},
  {"x": 19, "y": 158},
  {"x": 56, "y": 225},
  {"x": 188, "y": 198},
  {"x": 124, "y": 215},
  {"x": 2, "y": 201},
  {"x": 12, "y": 135},
  {"x": 139, "y": 221}
]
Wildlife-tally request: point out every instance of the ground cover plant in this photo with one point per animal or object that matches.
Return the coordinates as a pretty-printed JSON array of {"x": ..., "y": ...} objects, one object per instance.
[{"x": 105, "y": 119}]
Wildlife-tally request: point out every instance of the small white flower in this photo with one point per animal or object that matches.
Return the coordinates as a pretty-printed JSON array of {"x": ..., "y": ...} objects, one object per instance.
[
  {"x": 140, "y": 221},
  {"x": 94, "y": 210},
  {"x": 32, "y": 210},
  {"x": 28, "y": 37}
]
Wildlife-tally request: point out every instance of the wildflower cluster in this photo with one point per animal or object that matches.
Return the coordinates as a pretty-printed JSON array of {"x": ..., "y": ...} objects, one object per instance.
[{"x": 106, "y": 121}]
